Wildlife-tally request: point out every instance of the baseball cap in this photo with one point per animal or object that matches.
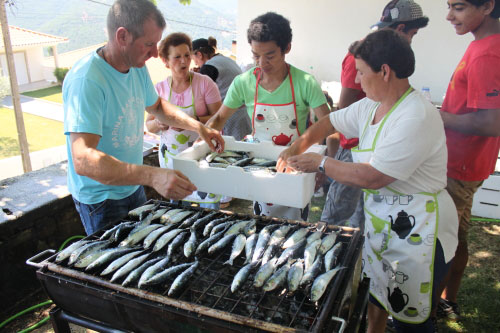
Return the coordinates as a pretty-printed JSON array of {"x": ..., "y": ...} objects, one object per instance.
[{"x": 399, "y": 11}]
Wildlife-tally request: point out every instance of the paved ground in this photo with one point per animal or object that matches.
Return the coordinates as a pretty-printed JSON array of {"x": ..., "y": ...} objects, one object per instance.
[{"x": 38, "y": 107}]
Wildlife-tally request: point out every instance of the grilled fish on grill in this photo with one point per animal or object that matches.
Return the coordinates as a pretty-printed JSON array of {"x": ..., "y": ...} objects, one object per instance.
[
  {"x": 241, "y": 277},
  {"x": 270, "y": 252},
  {"x": 136, "y": 273},
  {"x": 189, "y": 221},
  {"x": 313, "y": 271},
  {"x": 109, "y": 256},
  {"x": 139, "y": 235},
  {"x": 67, "y": 251},
  {"x": 117, "y": 263},
  {"x": 209, "y": 242},
  {"x": 173, "y": 245},
  {"x": 221, "y": 227},
  {"x": 128, "y": 267},
  {"x": 182, "y": 279},
  {"x": 86, "y": 249},
  {"x": 140, "y": 211},
  {"x": 314, "y": 236},
  {"x": 152, "y": 270},
  {"x": 165, "y": 274},
  {"x": 91, "y": 257},
  {"x": 310, "y": 253},
  {"x": 264, "y": 236},
  {"x": 327, "y": 243},
  {"x": 165, "y": 218},
  {"x": 213, "y": 223},
  {"x": 190, "y": 245},
  {"x": 264, "y": 272},
  {"x": 155, "y": 234},
  {"x": 291, "y": 252},
  {"x": 279, "y": 234},
  {"x": 277, "y": 279},
  {"x": 249, "y": 247},
  {"x": 319, "y": 285},
  {"x": 331, "y": 256},
  {"x": 238, "y": 246},
  {"x": 294, "y": 275},
  {"x": 205, "y": 219},
  {"x": 165, "y": 239},
  {"x": 220, "y": 244},
  {"x": 180, "y": 216},
  {"x": 240, "y": 226},
  {"x": 295, "y": 238},
  {"x": 158, "y": 213}
]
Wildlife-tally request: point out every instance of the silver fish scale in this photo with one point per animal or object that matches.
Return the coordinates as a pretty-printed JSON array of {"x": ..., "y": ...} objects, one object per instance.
[
  {"x": 182, "y": 279},
  {"x": 238, "y": 246},
  {"x": 241, "y": 277},
  {"x": 136, "y": 273}
]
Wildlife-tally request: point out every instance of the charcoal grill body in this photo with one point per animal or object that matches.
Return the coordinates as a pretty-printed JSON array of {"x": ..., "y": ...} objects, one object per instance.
[{"x": 92, "y": 299}]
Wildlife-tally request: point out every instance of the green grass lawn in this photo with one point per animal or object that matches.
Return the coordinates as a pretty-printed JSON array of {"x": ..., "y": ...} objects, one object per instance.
[
  {"x": 52, "y": 94},
  {"x": 42, "y": 133}
]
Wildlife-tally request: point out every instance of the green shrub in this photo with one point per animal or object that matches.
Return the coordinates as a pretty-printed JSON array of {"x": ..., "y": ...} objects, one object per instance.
[
  {"x": 4, "y": 87},
  {"x": 60, "y": 74}
]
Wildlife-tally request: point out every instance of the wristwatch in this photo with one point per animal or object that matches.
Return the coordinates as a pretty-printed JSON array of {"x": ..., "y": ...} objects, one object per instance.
[{"x": 321, "y": 166}]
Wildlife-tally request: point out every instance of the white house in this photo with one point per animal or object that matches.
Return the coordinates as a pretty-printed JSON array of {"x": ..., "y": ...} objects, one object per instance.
[
  {"x": 27, "y": 46},
  {"x": 324, "y": 29}
]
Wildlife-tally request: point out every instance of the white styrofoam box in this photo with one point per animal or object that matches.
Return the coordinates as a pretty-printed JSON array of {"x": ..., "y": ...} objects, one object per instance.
[
  {"x": 487, "y": 199},
  {"x": 294, "y": 190}
]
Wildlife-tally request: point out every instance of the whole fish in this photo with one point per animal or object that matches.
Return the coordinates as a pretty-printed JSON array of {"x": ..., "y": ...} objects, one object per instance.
[
  {"x": 291, "y": 252},
  {"x": 139, "y": 211},
  {"x": 218, "y": 159},
  {"x": 123, "y": 230},
  {"x": 314, "y": 236},
  {"x": 312, "y": 272},
  {"x": 152, "y": 270},
  {"x": 138, "y": 236},
  {"x": 279, "y": 234},
  {"x": 165, "y": 274},
  {"x": 332, "y": 255},
  {"x": 310, "y": 253},
  {"x": 239, "y": 227},
  {"x": 319, "y": 285},
  {"x": 182, "y": 279},
  {"x": 165, "y": 239},
  {"x": 176, "y": 243},
  {"x": 165, "y": 217},
  {"x": 109, "y": 256},
  {"x": 84, "y": 261},
  {"x": 270, "y": 252},
  {"x": 180, "y": 216},
  {"x": 221, "y": 243},
  {"x": 209, "y": 242},
  {"x": 189, "y": 221},
  {"x": 86, "y": 249},
  {"x": 243, "y": 162},
  {"x": 241, "y": 277},
  {"x": 221, "y": 227},
  {"x": 327, "y": 242},
  {"x": 203, "y": 220},
  {"x": 136, "y": 273},
  {"x": 129, "y": 266},
  {"x": 264, "y": 272},
  {"x": 238, "y": 246},
  {"x": 295, "y": 274},
  {"x": 250, "y": 229},
  {"x": 119, "y": 262},
  {"x": 264, "y": 236},
  {"x": 154, "y": 235},
  {"x": 295, "y": 238},
  {"x": 158, "y": 213},
  {"x": 277, "y": 279},
  {"x": 109, "y": 233},
  {"x": 190, "y": 245},
  {"x": 64, "y": 254},
  {"x": 213, "y": 223},
  {"x": 249, "y": 247}
]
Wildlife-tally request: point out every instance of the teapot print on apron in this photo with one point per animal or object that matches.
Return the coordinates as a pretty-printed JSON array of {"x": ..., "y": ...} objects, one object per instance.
[
  {"x": 397, "y": 299},
  {"x": 403, "y": 224}
]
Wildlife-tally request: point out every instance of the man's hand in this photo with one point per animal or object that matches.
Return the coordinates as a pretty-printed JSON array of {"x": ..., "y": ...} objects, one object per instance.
[
  {"x": 307, "y": 162},
  {"x": 212, "y": 137},
  {"x": 282, "y": 162},
  {"x": 172, "y": 184}
]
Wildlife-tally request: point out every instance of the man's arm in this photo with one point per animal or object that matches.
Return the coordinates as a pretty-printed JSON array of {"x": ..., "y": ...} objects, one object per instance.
[
  {"x": 219, "y": 119},
  {"x": 321, "y": 111},
  {"x": 93, "y": 163},
  {"x": 212, "y": 109},
  {"x": 347, "y": 97},
  {"x": 168, "y": 114},
  {"x": 482, "y": 122}
]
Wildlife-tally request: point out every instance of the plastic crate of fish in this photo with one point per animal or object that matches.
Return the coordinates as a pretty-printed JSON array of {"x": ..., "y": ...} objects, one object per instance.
[{"x": 253, "y": 181}]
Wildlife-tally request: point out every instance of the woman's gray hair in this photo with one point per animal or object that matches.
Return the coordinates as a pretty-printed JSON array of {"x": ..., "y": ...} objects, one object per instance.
[{"x": 132, "y": 14}]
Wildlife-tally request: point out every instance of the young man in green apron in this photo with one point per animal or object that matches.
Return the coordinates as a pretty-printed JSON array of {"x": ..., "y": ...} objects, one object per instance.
[{"x": 277, "y": 95}]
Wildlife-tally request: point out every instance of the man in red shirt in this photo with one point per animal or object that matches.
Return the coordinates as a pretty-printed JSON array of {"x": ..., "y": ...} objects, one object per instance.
[
  {"x": 471, "y": 116},
  {"x": 406, "y": 17}
]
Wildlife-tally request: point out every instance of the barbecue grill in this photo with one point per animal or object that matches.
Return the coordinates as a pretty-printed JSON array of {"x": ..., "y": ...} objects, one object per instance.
[{"x": 206, "y": 302}]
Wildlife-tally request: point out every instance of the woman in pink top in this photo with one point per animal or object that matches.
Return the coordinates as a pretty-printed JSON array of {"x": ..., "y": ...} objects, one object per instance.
[{"x": 194, "y": 94}]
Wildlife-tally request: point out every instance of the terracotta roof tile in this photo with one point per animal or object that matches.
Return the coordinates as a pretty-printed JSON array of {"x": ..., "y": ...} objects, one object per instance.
[{"x": 21, "y": 37}]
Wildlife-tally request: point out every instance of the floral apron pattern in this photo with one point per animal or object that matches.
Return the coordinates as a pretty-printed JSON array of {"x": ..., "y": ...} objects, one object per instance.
[{"x": 400, "y": 235}]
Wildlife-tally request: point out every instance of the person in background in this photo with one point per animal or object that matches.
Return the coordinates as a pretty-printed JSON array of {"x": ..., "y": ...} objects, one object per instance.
[
  {"x": 404, "y": 176},
  {"x": 222, "y": 70},
  {"x": 104, "y": 98},
  {"x": 277, "y": 96},
  {"x": 344, "y": 203},
  {"x": 471, "y": 116},
  {"x": 195, "y": 95}
]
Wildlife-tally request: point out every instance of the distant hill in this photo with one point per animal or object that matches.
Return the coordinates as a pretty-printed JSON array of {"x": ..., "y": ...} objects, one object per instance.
[{"x": 84, "y": 21}]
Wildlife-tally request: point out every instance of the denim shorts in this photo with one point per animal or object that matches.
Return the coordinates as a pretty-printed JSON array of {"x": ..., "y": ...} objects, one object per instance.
[{"x": 96, "y": 216}]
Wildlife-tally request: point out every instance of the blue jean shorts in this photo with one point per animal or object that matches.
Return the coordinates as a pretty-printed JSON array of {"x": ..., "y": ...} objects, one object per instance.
[{"x": 96, "y": 216}]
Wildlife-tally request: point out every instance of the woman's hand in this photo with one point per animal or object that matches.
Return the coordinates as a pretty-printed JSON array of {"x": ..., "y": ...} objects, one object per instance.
[
  {"x": 307, "y": 162},
  {"x": 161, "y": 125},
  {"x": 282, "y": 162},
  {"x": 212, "y": 138}
]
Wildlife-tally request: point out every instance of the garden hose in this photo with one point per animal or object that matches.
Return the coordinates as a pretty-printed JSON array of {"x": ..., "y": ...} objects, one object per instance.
[
  {"x": 34, "y": 307},
  {"x": 484, "y": 219}
]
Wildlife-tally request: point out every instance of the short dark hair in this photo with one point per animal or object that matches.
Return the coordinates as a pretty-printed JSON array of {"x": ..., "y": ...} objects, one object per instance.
[
  {"x": 173, "y": 39},
  {"x": 495, "y": 13},
  {"x": 419, "y": 23},
  {"x": 386, "y": 46},
  {"x": 205, "y": 46},
  {"x": 132, "y": 14},
  {"x": 270, "y": 27}
]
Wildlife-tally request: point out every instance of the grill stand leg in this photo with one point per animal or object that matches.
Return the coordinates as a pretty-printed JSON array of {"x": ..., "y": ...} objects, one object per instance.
[{"x": 60, "y": 325}]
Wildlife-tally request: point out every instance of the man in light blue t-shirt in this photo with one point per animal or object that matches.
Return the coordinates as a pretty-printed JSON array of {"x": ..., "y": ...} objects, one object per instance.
[{"x": 105, "y": 95}]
